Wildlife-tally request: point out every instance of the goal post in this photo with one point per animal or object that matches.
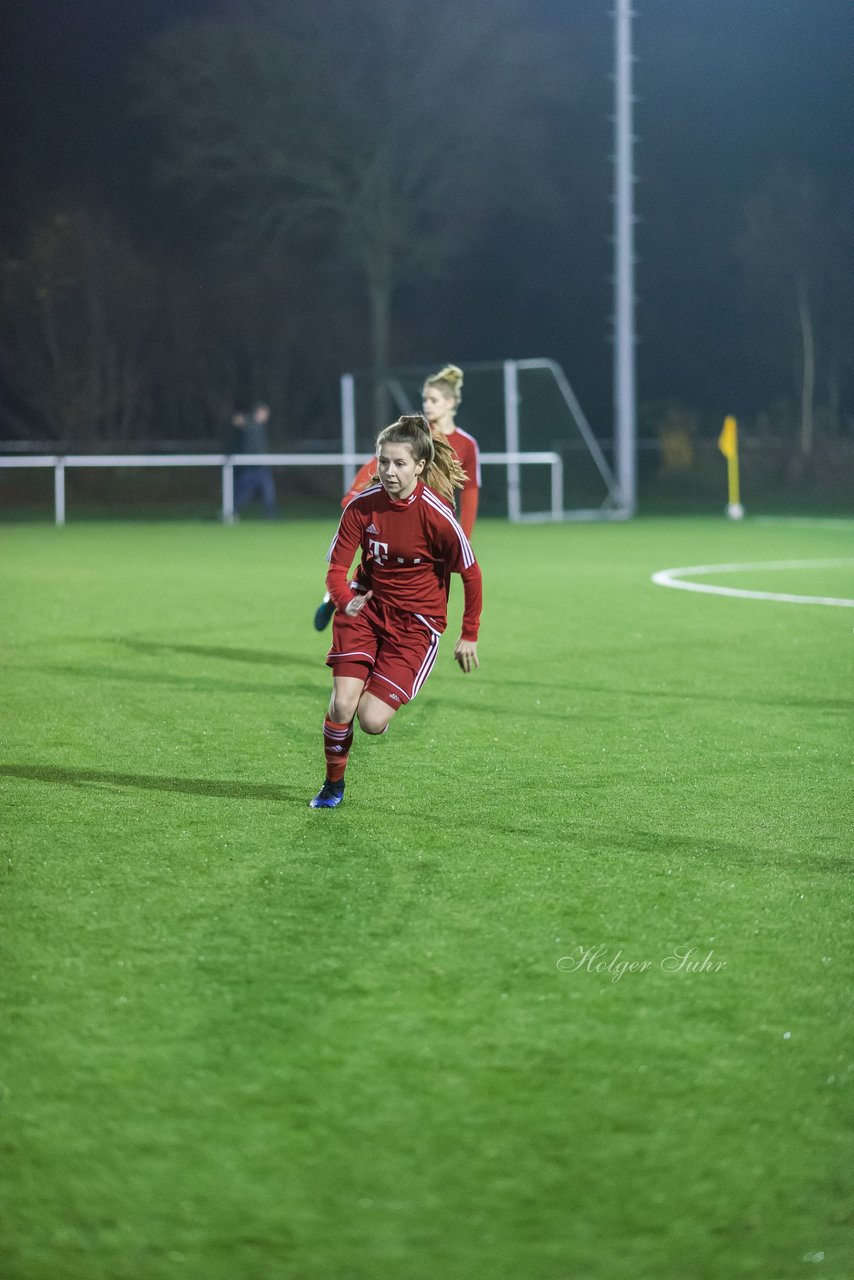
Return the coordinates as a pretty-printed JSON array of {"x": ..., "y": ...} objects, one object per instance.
[{"x": 523, "y": 413}]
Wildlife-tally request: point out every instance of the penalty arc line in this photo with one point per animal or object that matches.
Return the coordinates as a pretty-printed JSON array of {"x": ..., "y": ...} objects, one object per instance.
[{"x": 676, "y": 578}]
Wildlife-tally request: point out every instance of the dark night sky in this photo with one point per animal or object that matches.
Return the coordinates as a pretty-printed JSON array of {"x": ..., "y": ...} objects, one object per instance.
[{"x": 727, "y": 89}]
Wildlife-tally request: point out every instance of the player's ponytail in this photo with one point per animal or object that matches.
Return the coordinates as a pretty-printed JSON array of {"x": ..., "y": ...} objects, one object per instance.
[{"x": 442, "y": 471}]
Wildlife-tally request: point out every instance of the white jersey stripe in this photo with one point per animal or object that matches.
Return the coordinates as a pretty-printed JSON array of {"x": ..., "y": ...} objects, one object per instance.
[
  {"x": 421, "y": 618},
  {"x": 374, "y": 488},
  {"x": 438, "y": 505},
  {"x": 426, "y": 665},
  {"x": 379, "y": 676}
]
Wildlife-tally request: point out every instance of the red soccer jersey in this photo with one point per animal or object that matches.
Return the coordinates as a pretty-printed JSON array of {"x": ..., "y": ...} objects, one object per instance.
[
  {"x": 410, "y": 548},
  {"x": 465, "y": 447},
  {"x": 363, "y": 478},
  {"x": 468, "y": 454}
]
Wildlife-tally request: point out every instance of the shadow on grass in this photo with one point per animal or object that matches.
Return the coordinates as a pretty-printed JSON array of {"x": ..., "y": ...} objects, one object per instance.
[
  {"x": 716, "y": 851},
  {"x": 653, "y": 849},
  {"x": 193, "y": 684},
  {"x": 260, "y": 657},
  {"x": 217, "y": 787},
  {"x": 840, "y": 706}
]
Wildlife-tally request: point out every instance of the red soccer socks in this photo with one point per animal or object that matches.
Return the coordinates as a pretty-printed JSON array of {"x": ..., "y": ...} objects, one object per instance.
[{"x": 337, "y": 741}]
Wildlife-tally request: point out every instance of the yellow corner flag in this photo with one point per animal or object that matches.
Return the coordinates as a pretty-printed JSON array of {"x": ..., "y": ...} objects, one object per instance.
[
  {"x": 728, "y": 439},
  {"x": 728, "y": 445}
]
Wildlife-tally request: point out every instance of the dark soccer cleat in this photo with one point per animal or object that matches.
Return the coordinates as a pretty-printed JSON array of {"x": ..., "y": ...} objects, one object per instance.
[
  {"x": 323, "y": 613},
  {"x": 329, "y": 795}
]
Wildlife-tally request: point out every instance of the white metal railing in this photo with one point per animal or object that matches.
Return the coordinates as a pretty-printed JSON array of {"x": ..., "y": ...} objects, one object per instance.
[{"x": 227, "y": 462}]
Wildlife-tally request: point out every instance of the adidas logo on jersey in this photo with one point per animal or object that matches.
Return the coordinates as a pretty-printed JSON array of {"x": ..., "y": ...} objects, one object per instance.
[{"x": 372, "y": 528}]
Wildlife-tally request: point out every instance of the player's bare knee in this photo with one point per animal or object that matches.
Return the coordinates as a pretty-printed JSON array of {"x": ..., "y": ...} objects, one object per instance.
[
  {"x": 342, "y": 708},
  {"x": 374, "y": 719}
]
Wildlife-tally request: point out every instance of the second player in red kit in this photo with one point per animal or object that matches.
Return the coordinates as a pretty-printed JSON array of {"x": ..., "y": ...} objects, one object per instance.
[
  {"x": 385, "y": 640},
  {"x": 441, "y": 395}
]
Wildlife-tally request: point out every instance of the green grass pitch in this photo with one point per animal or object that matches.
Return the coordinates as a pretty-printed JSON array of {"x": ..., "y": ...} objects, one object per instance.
[{"x": 243, "y": 1040}]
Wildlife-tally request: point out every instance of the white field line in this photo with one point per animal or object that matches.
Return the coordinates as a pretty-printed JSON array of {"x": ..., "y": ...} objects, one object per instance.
[{"x": 674, "y": 578}]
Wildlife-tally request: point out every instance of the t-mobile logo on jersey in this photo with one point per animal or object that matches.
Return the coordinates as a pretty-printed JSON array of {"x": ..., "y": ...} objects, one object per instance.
[{"x": 378, "y": 550}]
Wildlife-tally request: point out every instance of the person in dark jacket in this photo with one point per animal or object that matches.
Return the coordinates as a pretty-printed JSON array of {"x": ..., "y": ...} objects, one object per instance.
[{"x": 250, "y": 436}]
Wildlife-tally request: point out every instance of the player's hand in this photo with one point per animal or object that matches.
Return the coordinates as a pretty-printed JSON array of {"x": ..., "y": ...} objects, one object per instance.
[
  {"x": 465, "y": 653},
  {"x": 357, "y": 604}
]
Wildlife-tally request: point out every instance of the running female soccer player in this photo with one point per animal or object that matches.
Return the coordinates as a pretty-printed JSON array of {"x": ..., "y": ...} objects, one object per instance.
[
  {"x": 440, "y": 398},
  {"x": 384, "y": 640},
  {"x": 441, "y": 395}
]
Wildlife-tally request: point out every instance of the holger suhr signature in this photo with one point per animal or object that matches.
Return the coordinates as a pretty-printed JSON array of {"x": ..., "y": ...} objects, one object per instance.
[{"x": 677, "y": 960}]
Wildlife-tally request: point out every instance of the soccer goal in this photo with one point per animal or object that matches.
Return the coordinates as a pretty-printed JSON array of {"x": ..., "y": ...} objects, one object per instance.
[{"x": 541, "y": 459}]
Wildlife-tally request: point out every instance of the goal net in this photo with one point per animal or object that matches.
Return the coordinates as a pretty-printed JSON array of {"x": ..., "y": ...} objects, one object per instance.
[{"x": 541, "y": 459}]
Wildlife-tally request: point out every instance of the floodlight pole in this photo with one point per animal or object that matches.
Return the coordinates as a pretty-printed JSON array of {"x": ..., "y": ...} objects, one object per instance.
[
  {"x": 348, "y": 425},
  {"x": 625, "y": 421}
]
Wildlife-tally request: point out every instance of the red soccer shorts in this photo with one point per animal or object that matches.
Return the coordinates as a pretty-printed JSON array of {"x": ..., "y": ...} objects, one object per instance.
[{"x": 392, "y": 652}]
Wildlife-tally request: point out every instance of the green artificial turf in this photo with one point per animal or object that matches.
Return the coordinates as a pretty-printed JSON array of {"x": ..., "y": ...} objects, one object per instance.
[{"x": 243, "y": 1039}]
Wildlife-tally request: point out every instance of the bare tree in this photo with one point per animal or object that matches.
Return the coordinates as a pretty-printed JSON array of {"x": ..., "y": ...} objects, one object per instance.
[
  {"x": 230, "y": 332},
  {"x": 793, "y": 250},
  {"x": 382, "y": 132},
  {"x": 74, "y": 329}
]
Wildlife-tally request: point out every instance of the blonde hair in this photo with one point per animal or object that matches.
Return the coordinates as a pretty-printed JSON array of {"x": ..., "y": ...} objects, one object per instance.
[
  {"x": 442, "y": 471},
  {"x": 449, "y": 380}
]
